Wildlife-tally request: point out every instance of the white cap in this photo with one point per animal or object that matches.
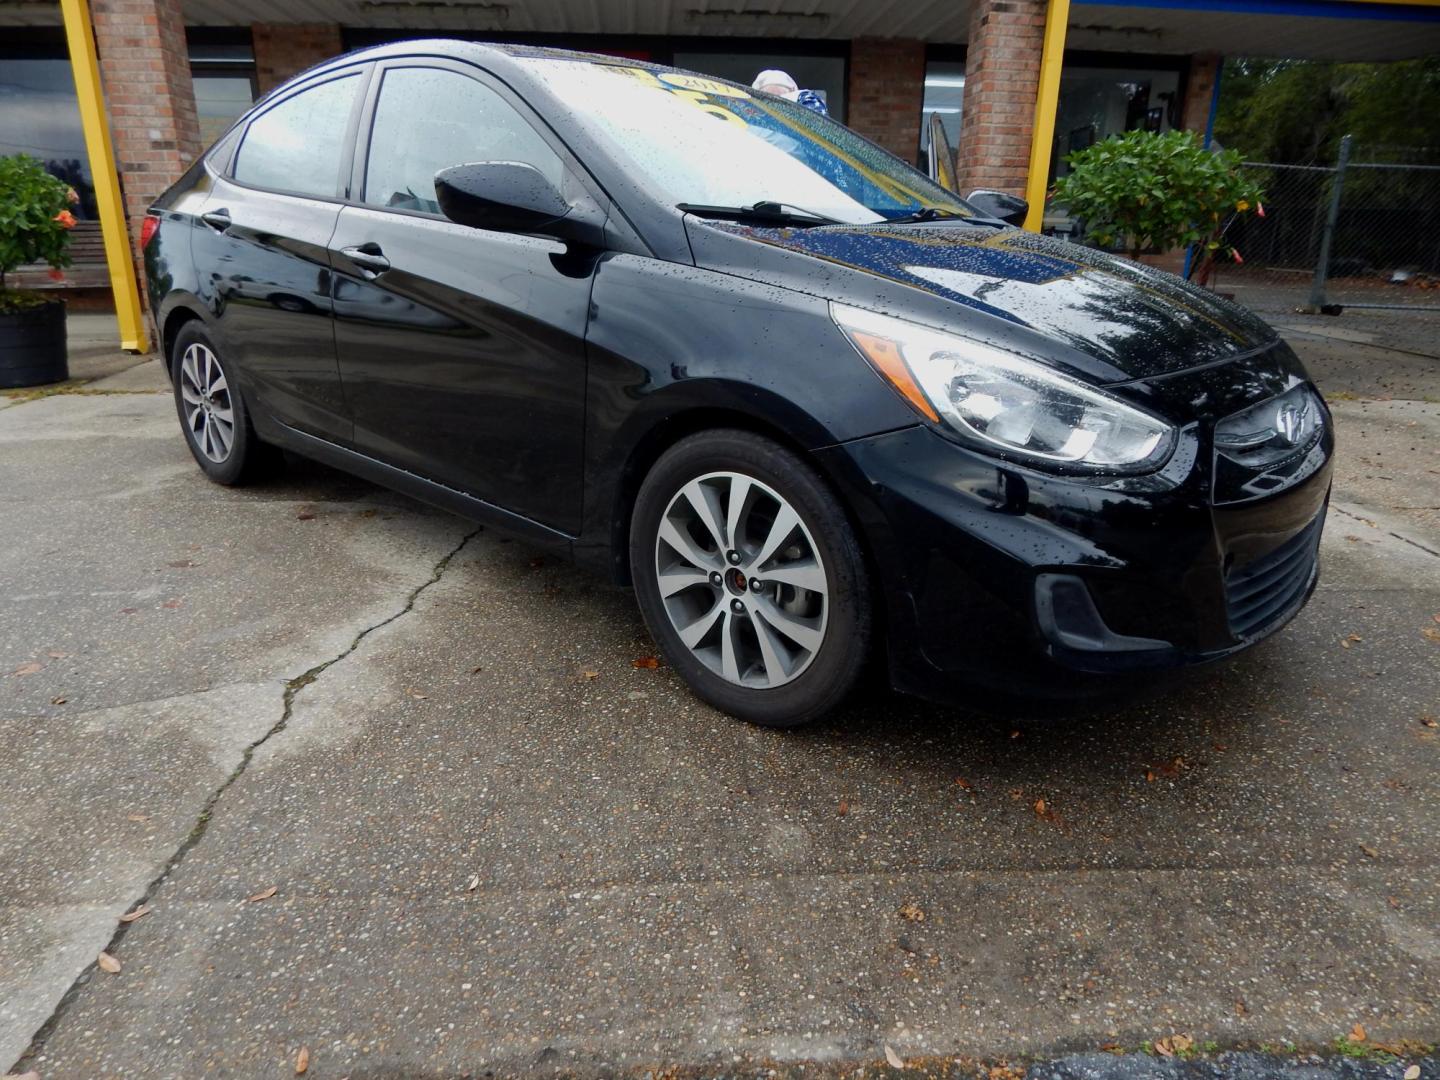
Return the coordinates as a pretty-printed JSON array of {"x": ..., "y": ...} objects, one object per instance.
[{"x": 774, "y": 81}]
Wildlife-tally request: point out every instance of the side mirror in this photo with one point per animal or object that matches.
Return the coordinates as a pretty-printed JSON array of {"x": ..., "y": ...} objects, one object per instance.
[
  {"x": 1010, "y": 209},
  {"x": 510, "y": 196}
]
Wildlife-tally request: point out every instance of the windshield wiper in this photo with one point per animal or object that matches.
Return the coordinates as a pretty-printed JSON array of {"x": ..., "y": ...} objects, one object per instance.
[
  {"x": 925, "y": 213},
  {"x": 774, "y": 213}
]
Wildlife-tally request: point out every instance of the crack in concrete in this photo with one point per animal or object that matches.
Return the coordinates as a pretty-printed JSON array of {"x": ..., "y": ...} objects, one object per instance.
[
  {"x": 293, "y": 687},
  {"x": 1388, "y": 532}
]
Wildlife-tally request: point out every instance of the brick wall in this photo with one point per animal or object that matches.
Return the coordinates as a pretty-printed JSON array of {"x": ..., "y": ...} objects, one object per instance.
[
  {"x": 1002, "y": 78},
  {"x": 145, "y": 69},
  {"x": 286, "y": 49},
  {"x": 886, "y": 93},
  {"x": 1199, "y": 89}
]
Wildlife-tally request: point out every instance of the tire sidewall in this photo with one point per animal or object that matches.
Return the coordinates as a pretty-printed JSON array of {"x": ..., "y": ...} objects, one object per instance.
[
  {"x": 233, "y": 469},
  {"x": 836, "y": 666}
]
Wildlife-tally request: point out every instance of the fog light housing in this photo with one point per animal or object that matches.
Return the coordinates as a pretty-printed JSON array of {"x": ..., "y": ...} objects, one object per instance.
[{"x": 1067, "y": 616}]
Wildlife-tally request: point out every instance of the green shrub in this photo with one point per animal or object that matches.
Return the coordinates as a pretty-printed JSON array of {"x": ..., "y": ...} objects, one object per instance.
[
  {"x": 1147, "y": 190},
  {"x": 35, "y": 223}
]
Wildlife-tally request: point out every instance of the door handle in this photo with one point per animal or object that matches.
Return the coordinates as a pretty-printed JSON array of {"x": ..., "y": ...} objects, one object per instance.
[
  {"x": 369, "y": 258},
  {"x": 217, "y": 219}
]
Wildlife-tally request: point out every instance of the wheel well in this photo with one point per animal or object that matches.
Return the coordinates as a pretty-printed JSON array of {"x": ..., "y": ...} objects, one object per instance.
[
  {"x": 677, "y": 427},
  {"x": 173, "y": 322}
]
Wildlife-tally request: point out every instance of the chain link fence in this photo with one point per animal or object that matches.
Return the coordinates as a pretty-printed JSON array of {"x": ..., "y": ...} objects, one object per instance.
[{"x": 1353, "y": 234}]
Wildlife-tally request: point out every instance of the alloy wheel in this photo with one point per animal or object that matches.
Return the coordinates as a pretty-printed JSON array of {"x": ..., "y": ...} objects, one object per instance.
[
  {"x": 209, "y": 412},
  {"x": 742, "y": 580}
]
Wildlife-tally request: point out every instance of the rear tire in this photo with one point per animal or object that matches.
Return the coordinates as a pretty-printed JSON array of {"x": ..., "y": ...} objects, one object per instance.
[
  {"x": 750, "y": 578},
  {"x": 212, "y": 411}
]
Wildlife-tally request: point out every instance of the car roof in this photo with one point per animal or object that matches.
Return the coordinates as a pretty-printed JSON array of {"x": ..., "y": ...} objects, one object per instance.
[{"x": 498, "y": 53}]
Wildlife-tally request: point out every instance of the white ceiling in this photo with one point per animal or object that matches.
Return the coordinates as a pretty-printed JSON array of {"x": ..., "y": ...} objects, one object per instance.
[{"x": 1105, "y": 27}]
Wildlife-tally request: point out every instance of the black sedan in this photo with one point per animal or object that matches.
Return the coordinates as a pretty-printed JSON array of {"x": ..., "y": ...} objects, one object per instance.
[{"x": 818, "y": 410}]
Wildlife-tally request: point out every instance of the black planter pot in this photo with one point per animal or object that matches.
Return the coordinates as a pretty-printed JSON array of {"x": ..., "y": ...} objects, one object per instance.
[{"x": 32, "y": 346}]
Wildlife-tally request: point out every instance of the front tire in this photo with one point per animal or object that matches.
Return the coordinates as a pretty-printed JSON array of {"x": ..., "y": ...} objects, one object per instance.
[
  {"x": 750, "y": 578},
  {"x": 212, "y": 411}
]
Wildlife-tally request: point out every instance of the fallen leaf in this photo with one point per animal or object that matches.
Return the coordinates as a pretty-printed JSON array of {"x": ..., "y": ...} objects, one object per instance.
[
  {"x": 912, "y": 912},
  {"x": 1357, "y": 1033},
  {"x": 1182, "y": 1043},
  {"x": 843, "y": 808},
  {"x": 1040, "y": 807},
  {"x": 1372, "y": 853},
  {"x": 271, "y": 891},
  {"x": 128, "y": 610},
  {"x": 474, "y": 883},
  {"x": 172, "y": 604},
  {"x": 27, "y": 669},
  {"x": 964, "y": 784},
  {"x": 1150, "y": 777},
  {"x": 589, "y": 674},
  {"x": 181, "y": 564},
  {"x": 302, "y": 1060},
  {"x": 31, "y": 1075},
  {"x": 1241, "y": 1009},
  {"x": 1431, "y": 634},
  {"x": 416, "y": 693},
  {"x": 137, "y": 817},
  {"x": 305, "y": 514},
  {"x": 1163, "y": 1048},
  {"x": 139, "y": 913},
  {"x": 477, "y": 671},
  {"x": 59, "y": 699},
  {"x": 1015, "y": 734},
  {"x": 56, "y": 654},
  {"x": 1412, "y": 1073},
  {"x": 1429, "y": 721},
  {"x": 894, "y": 1059},
  {"x": 106, "y": 962},
  {"x": 1394, "y": 902},
  {"x": 645, "y": 662},
  {"x": 1112, "y": 1048}
]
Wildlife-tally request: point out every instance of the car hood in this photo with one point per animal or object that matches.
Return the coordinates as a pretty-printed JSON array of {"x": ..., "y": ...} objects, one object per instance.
[{"x": 1114, "y": 319}]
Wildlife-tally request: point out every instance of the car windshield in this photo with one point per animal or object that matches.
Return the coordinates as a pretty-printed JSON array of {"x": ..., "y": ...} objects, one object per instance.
[{"x": 704, "y": 142}]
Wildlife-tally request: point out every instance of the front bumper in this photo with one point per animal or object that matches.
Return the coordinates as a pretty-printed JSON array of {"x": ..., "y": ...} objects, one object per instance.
[{"x": 1041, "y": 585}]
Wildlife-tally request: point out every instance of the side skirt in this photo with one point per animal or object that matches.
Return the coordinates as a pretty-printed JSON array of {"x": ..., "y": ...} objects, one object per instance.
[{"x": 417, "y": 487}]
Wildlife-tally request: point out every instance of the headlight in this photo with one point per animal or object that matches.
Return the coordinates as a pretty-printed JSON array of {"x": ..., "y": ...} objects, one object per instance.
[{"x": 1004, "y": 400}]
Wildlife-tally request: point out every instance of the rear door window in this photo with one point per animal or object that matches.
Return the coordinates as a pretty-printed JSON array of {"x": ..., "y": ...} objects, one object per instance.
[
  {"x": 428, "y": 119},
  {"x": 299, "y": 144}
]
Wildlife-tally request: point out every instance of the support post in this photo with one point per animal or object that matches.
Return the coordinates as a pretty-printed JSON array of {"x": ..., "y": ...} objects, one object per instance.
[
  {"x": 1322, "y": 264},
  {"x": 1047, "y": 98},
  {"x": 80, "y": 40}
]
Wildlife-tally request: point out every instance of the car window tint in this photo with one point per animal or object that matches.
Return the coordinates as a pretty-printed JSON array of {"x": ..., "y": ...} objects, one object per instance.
[
  {"x": 429, "y": 119},
  {"x": 297, "y": 145}
]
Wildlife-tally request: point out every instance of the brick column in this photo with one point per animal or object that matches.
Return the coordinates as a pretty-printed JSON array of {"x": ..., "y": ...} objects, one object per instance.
[
  {"x": 1002, "y": 79},
  {"x": 286, "y": 49},
  {"x": 887, "y": 92},
  {"x": 1199, "y": 90},
  {"x": 145, "y": 70}
]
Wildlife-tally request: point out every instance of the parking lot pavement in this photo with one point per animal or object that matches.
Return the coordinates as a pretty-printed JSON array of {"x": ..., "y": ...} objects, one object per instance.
[{"x": 497, "y": 845}]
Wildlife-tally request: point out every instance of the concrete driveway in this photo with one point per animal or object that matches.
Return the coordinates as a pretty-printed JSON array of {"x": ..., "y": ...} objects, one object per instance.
[{"x": 347, "y": 754}]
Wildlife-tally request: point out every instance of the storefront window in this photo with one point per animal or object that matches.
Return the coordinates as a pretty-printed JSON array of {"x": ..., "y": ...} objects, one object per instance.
[
  {"x": 1096, "y": 103},
  {"x": 944, "y": 97},
  {"x": 39, "y": 116},
  {"x": 224, "y": 77},
  {"x": 823, "y": 74}
]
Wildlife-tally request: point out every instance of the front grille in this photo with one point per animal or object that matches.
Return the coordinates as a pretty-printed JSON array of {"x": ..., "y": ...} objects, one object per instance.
[{"x": 1267, "y": 587}]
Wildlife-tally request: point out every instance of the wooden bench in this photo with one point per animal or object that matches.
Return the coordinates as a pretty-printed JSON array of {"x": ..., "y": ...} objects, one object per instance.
[{"x": 87, "y": 269}]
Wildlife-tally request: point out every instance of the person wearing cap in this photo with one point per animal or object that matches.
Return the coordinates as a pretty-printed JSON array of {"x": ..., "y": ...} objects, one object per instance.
[{"x": 779, "y": 83}]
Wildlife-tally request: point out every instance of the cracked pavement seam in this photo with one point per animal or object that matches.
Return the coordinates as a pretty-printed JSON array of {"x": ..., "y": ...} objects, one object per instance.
[{"x": 293, "y": 686}]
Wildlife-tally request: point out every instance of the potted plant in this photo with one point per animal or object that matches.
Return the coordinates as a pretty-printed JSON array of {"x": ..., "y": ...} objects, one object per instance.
[
  {"x": 1146, "y": 190},
  {"x": 35, "y": 224}
]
